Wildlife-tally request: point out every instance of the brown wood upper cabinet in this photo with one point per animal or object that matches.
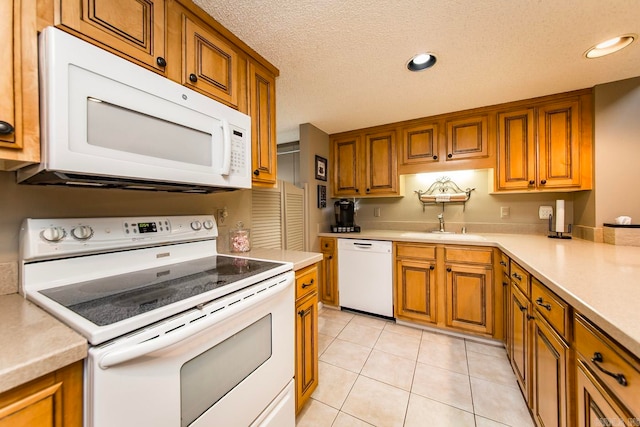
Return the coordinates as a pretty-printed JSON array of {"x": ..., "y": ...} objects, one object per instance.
[
  {"x": 365, "y": 164},
  {"x": 19, "y": 126},
  {"x": 262, "y": 107},
  {"x": 201, "y": 58},
  {"x": 546, "y": 146},
  {"x": 467, "y": 137},
  {"x": 134, "y": 29}
]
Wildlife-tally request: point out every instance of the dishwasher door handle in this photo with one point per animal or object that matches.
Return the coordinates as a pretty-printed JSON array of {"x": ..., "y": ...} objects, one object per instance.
[{"x": 363, "y": 245}]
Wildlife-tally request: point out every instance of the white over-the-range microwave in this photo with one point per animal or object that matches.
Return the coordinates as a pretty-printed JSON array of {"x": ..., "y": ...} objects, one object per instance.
[{"x": 106, "y": 122}]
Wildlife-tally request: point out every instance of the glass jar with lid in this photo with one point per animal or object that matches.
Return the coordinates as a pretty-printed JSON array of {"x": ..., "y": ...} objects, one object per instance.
[{"x": 239, "y": 239}]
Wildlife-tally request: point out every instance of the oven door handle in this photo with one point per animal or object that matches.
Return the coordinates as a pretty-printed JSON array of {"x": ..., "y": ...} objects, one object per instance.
[{"x": 165, "y": 340}]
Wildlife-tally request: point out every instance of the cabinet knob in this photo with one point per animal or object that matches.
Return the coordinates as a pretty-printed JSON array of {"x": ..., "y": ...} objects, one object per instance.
[
  {"x": 435, "y": 157},
  {"x": 330, "y": 256},
  {"x": 431, "y": 267},
  {"x": 367, "y": 190},
  {"x": 532, "y": 182},
  {"x": 301, "y": 313},
  {"x": 193, "y": 78},
  {"x": 357, "y": 190},
  {"x": 449, "y": 155},
  {"x": 161, "y": 61},
  {"x": 449, "y": 269},
  {"x": 543, "y": 182},
  {"x": 256, "y": 172},
  {"x": 5, "y": 128}
]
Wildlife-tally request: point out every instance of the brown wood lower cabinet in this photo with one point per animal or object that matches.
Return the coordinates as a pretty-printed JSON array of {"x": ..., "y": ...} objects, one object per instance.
[
  {"x": 52, "y": 400},
  {"x": 550, "y": 357},
  {"x": 328, "y": 286},
  {"x": 519, "y": 333},
  {"x": 416, "y": 294},
  {"x": 306, "y": 370}
]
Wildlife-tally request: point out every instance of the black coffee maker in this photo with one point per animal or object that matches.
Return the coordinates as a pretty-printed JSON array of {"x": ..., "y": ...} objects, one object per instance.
[{"x": 344, "y": 211}]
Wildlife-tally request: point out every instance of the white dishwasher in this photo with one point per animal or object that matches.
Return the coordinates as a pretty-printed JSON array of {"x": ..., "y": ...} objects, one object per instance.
[{"x": 365, "y": 278}]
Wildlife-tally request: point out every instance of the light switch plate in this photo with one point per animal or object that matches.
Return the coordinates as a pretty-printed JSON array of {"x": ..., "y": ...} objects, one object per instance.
[
  {"x": 545, "y": 211},
  {"x": 505, "y": 211}
]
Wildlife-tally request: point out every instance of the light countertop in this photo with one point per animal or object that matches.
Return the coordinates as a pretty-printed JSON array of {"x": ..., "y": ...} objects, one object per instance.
[
  {"x": 33, "y": 343},
  {"x": 601, "y": 281}
]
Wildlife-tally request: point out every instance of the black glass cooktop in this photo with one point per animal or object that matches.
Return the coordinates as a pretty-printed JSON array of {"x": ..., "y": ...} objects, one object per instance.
[{"x": 112, "y": 299}]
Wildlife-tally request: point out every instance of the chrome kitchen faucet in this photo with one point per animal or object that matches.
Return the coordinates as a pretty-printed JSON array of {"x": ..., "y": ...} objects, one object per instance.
[{"x": 441, "y": 219}]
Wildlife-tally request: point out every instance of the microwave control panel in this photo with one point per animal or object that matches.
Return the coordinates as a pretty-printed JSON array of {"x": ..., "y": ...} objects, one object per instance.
[{"x": 239, "y": 156}]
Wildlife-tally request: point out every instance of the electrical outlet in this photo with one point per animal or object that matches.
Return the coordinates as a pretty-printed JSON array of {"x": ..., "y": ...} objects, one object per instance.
[
  {"x": 222, "y": 214},
  {"x": 505, "y": 211},
  {"x": 376, "y": 212},
  {"x": 545, "y": 212}
]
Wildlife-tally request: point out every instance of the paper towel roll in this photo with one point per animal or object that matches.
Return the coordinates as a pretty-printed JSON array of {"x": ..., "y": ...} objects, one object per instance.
[{"x": 560, "y": 216}]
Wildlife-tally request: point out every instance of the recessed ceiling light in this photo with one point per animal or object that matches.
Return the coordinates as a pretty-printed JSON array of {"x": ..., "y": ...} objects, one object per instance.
[
  {"x": 421, "y": 61},
  {"x": 609, "y": 46}
]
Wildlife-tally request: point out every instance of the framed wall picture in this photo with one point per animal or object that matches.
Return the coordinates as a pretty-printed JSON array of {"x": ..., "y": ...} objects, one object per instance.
[{"x": 321, "y": 168}]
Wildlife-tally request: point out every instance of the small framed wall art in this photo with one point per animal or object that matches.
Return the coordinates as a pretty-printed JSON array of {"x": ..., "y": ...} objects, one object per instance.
[{"x": 321, "y": 168}]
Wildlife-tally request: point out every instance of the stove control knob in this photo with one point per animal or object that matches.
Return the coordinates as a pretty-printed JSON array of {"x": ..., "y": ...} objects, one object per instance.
[
  {"x": 53, "y": 234},
  {"x": 196, "y": 225},
  {"x": 82, "y": 232},
  {"x": 208, "y": 224}
]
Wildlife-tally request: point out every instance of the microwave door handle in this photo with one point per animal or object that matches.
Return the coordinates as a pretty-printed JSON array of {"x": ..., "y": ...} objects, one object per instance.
[
  {"x": 226, "y": 158},
  {"x": 116, "y": 357}
]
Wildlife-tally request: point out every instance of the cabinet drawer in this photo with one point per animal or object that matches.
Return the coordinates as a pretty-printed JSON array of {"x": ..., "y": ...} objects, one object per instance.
[
  {"x": 591, "y": 344},
  {"x": 520, "y": 277},
  {"x": 468, "y": 255},
  {"x": 306, "y": 281},
  {"x": 327, "y": 244},
  {"x": 415, "y": 251},
  {"x": 551, "y": 307}
]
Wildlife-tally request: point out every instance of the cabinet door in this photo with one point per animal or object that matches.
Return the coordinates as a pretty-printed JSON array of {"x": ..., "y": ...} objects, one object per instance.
[
  {"x": 469, "y": 298},
  {"x": 19, "y": 113},
  {"x": 519, "y": 327},
  {"x": 594, "y": 406},
  {"x": 381, "y": 164},
  {"x": 516, "y": 150},
  {"x": 504, "y": 271},
  {"x": 559, "y": 145},
  {"x": 306, "y": 349},
  {"x": 134, "y": 29},
  {"x": 420, "y": 144},
  {"x": 467, "y": 138},
  {"x": 329, "y": 275},
  {"x": 52, "y": 400},
  {"x": 346, "y": 165},
  {"x": 262, "y": 107},
  {"x": 549, "y": 375},
  {"x": 416, "y": 290},
  {"x": 210, "y": 64}
]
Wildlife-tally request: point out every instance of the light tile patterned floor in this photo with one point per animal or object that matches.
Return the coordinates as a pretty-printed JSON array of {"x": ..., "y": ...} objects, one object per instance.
[{"x": 377, "y": 373}]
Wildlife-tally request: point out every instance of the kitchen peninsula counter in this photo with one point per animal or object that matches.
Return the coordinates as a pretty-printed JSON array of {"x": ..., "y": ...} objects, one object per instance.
[
  {"x": 601, "y": 281},
  {"x": 299, "y": 259}
]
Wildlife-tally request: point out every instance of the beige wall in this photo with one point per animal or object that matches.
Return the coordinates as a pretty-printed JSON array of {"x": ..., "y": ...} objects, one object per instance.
[
  {"x": 617, "y": 151},
  {"x": 480, "y": 214},
  {"x": 314, "y": 141},
  {"x": 27, "y": 201}
]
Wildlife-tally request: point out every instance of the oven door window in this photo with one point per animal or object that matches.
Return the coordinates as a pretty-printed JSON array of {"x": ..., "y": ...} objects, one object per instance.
[{"x": 208, "y": 377}]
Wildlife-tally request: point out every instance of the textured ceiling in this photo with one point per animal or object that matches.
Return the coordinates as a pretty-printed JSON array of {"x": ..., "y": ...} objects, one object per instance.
[{"x": 342, "y": 62}]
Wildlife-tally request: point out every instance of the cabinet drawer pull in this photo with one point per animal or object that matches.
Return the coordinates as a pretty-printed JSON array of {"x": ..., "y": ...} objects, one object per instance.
[
  {"x": 597, "y": 358},
  {"x": 517, "y": 276},
  {"x": 502, "y": 263},
  {"x": 5, "y": 128},
  {"x": 505, "y": 284},
  {"x": 542, "y": 304},
  {"x": 306, "y": 285},
  {"x": 530, "y": 317}
]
